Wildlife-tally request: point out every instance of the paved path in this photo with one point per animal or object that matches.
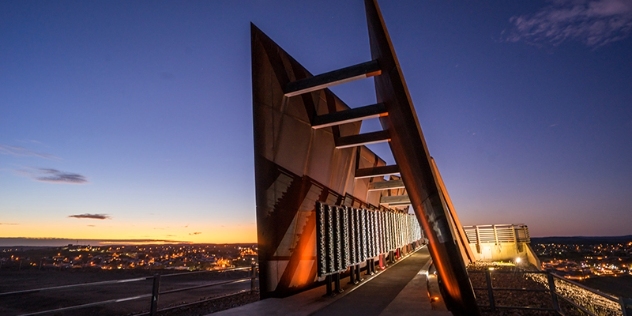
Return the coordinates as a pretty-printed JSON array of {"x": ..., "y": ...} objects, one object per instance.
[
  {"x": 402, "y": 289},
  {"x": 399, "y": 289}
]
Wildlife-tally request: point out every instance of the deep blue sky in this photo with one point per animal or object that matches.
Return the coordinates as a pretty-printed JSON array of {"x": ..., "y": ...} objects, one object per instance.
[{"x": 139, "y": 112}]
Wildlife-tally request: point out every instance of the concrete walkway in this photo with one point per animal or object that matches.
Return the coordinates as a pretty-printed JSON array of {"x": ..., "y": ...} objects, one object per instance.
[{"x": 402, "y": 289}]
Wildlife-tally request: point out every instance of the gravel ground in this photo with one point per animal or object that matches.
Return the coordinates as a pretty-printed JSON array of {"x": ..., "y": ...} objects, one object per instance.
[{"x": 514, "y": 278}]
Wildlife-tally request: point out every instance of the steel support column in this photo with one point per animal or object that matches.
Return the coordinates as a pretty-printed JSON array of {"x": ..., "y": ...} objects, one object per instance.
[{"x": 411, "y": 155}]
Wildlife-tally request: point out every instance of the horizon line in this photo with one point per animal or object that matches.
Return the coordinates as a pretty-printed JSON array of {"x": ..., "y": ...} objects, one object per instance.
[{"x": 101, "y": 242}]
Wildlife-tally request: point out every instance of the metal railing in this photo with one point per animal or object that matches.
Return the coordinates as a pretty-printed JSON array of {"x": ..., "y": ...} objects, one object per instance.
[
  {"x": 582, "y": 298},
  {"x": 154, "y": 295},
  {"x": 497, "y": 234}
]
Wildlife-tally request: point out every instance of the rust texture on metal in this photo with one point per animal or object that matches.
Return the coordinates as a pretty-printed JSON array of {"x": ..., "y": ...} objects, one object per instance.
[
  {"x": 411, "y": 155},
  {"x": 362, "y": 139},
  {"x": 348, "y": 116},
  {"x": 336, "y": 77},
  {"x": 377, "y": 171},
  {"x": 297, "y": 165},
  {"x": 308, "y": 148}
]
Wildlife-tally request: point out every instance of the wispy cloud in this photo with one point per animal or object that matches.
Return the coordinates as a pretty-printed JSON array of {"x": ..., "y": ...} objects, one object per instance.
[
  {"x": 592, "y": 22},
  {"x": 54, "y": 176},
  {"x": 91, "y": 216},
  {"x": 195, "y": 233},
  {"x": 23, "y": 152},
  {"x": 9, "y": 224}
]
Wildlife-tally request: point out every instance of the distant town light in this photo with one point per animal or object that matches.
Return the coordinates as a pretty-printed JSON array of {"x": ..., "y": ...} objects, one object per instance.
[{"x": 518, "y": 260}]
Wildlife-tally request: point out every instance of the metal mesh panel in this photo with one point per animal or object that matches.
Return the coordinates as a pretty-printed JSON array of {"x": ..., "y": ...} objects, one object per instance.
[
  {"x": 348, "y": 236},
  {"x": 400, "y": 224},
  {"x": 369, "y": 234},
  {"x": 389, "y": 226},
  {"x": 343, "y": 220},
  {"x": 371, "y": 224},
  {"x": 330, "y": 239},
  {"x": 393, "y": 232},
  {"x": 358, "y": 236},
  {"x": 376, "y": 237},
  {"x": 386, "y": 232},
  {"x": 406, "y": 226},
  {"x": 337, "y": 265},
  {"x": 321, "y": 242},
  {"x": 363, "y": 234},
  {"x": 397, "y": 231},
  {"x": 382, "y": 234},
  {"x": 353, "y": 253}
]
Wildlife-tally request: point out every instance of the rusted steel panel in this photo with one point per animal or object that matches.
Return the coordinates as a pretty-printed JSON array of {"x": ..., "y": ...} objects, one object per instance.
[
  {"x": 348, "y": 116},
  {"x": 295, "y": 166},
  {"x": 347, "y": 74}
]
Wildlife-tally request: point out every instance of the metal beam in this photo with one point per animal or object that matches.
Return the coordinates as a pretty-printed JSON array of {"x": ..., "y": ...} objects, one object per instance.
[
  {"x": 362, "y": 139},
  {"x": 411, "y": 155},
  {"x": 376, "y": 171},
  {"x": 464, "y": 245},
  {"x": 395, "y": 200},
  {"x": 348, "y": 116},
  {"x": 328, "y": 79},
  {"x": 386, "y": 185}
]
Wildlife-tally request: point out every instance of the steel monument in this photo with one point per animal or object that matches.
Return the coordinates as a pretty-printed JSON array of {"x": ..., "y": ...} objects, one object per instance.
[{"x": 313, "y": 172}]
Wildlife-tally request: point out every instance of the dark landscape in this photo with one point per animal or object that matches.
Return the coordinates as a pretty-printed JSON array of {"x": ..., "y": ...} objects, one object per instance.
[
  {"x": 31, "y": 267},
  {"x": 180, "y": 266},
  {"x": 582, "y": 240},
  {"x": 602, "y": 263}
]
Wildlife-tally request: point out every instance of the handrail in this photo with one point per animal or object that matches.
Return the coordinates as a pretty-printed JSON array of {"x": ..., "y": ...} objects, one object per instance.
[
  {"x": 76, "y": 285},
  {"x": 511, "y": 289},
  {"x": 116, "y": 281},
  {"x": 594, "y": 291},
  {"x": 155, "y": 290},
  {"x": 204, "y": 271},
  {"x": 509, "y": 272},
  {"x": 550, "y": 287},
  {"x": 194, "y": 303},
  {"x": 203, "y": 286}
]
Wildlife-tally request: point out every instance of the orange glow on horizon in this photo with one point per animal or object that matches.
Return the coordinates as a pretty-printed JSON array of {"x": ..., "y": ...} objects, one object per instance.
[{"x": 142, "y": 231}]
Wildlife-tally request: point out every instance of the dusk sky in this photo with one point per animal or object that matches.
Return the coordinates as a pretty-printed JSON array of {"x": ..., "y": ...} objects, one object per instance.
[{"x": 133, "y": 119}]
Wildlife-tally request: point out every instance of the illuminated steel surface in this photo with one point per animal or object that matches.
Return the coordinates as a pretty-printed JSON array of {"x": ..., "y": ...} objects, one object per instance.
[
  {"x": 297, "y": 165},
  {"x": 308, "y": 148},
  {"x": 411, "y": 154}
]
